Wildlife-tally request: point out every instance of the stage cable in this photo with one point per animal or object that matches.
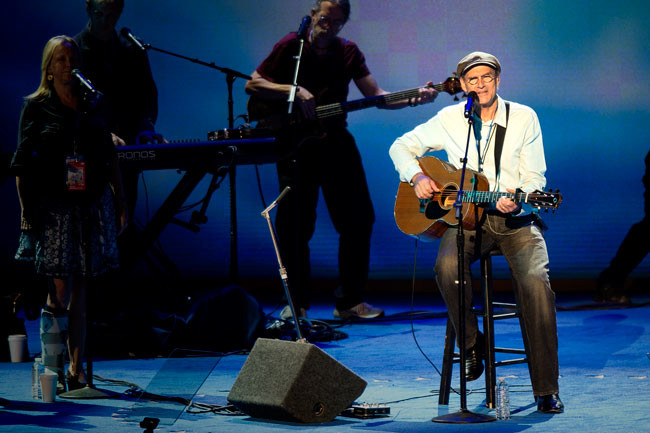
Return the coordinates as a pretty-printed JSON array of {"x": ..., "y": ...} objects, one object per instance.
[
  {"x": 147, "y": 216},
  {"x": 146, "y": 197},
  {"x": 415, "y": 261},
  {"x": 213, "y": 186},
  {"x": 137, "y": 392},
  {"x": 259, "y": 185}
]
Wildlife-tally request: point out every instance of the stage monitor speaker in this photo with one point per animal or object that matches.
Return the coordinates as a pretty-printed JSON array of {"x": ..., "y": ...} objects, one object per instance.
[{"x": 290, "y": 381}]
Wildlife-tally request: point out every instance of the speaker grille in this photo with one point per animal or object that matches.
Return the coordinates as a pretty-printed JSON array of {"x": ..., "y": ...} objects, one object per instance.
[{"x": 292, "y": 381}]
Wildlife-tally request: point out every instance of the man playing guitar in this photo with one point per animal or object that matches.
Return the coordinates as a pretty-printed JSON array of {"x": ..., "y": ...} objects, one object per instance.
[
  {"x": 517, "y": 163},
  {"x": 330, "y": 162}
]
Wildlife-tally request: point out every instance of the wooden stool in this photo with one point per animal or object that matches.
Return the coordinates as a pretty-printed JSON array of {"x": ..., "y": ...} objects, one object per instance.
[{"x": 507, "y": 311}]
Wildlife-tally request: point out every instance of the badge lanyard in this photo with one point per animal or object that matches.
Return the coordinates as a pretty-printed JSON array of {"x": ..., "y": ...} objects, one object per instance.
[{"x": 481, "y": 158}]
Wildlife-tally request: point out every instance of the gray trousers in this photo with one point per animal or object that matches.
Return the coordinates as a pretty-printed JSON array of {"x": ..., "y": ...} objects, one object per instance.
[{"x": 524, "y": 248}]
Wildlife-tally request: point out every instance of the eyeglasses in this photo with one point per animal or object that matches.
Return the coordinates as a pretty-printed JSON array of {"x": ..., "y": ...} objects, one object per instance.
[
  {"x": 487, "y": 78},
  {"x": 325, "y": 21}
]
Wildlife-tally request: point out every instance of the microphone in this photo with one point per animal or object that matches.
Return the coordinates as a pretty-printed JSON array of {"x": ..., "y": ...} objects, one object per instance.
[
  {"x": 304, "y": 25},
  {"x": 84, "y": 81},
  {"x": 284, "y": 192},
  {"x": 472, "y": 98},
  {"x": 135, "y": 41}
]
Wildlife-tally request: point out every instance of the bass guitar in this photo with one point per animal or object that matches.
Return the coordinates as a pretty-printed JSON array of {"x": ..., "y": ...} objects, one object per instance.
[
  {"x": 428, "y": 219},
  {"x": 273, "y": 114}
]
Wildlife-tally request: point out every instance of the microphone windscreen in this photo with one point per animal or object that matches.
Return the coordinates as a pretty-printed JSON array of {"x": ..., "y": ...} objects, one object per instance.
[{"x": 304, "y": 25}]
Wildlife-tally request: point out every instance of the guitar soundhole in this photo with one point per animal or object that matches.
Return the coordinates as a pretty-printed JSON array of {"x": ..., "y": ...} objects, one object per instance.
[
  {"x": 441, "y": 203},
  {"x": 447, "y": 196}
]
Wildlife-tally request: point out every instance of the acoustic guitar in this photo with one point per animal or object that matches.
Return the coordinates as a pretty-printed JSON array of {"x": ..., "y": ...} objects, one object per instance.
[{"x": 428, "y": 219}]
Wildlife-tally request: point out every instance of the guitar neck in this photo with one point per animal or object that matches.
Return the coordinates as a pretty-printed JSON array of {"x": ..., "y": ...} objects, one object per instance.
[
  {"x": 537, "y": 198},
  {"x": 493, "y": 196},
  {"x": 341, "y": 108}
]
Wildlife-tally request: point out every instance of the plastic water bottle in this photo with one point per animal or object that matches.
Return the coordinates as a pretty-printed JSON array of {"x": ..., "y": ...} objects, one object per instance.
[
  {"x": 36, "y": 379},
  {"x": 503, "y": 399}
]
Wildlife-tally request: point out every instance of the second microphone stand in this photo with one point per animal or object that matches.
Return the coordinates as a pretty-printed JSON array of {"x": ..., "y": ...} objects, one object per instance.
[
  {"x": 231, "y": 76},
  {"x": 90, "y": 99},
  {"x": 282, "y": 269}
]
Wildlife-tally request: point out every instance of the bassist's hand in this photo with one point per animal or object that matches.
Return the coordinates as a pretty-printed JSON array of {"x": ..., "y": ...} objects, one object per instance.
[
  {"x": 117, "y": 141},
  {"x": 307, "y": 102},
  {"x": 427, "y": 94},
  {"x": 424, "y": 186}
]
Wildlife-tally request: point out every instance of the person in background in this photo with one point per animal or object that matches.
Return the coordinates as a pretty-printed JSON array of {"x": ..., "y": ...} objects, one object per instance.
[
  {"x": 72, "y": 203},
  {"x": 121, "y": 71},
  {"x": 331, "y": 164},
  {"x": 610, "y": 286}
]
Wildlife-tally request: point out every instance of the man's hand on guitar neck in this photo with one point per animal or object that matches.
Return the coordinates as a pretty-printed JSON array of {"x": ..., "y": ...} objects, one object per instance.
[
  {"x": 424, "y": 186},
  {"x": 427, "y": 94},
  {"x": 506, "y": 204}
]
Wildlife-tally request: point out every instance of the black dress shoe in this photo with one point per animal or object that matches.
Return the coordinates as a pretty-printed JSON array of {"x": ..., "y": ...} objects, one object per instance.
[
  {"x": 474, "y": 360},
  {"x": 550, "y": 403}
]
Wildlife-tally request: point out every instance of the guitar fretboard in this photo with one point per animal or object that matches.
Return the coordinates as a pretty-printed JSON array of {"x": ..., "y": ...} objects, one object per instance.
[
  {"x": 535, "y": 199},
  {"x": 493, "y": 196}
]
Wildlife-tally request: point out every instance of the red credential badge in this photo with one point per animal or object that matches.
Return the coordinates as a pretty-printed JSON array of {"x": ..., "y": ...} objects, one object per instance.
[{"x": 75, "y": 173}]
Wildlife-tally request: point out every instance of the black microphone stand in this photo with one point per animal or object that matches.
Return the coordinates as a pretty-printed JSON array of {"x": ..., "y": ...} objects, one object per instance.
[
  {"x": 231, "y": 76},
  {"x": 90, "y": 100},
  {"x": 463, "y": 415},
  {"x": 296, "y": 182},
  {"x": 294, "y": 85}
]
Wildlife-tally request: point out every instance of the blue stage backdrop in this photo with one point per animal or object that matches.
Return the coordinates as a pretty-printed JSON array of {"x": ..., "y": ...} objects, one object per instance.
[{"x": 581, "y": 65}]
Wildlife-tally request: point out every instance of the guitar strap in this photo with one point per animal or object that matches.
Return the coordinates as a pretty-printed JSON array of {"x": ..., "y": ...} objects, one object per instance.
[
  {"x": 514, "y": 222},
  {"x": 498, "y": 144}
]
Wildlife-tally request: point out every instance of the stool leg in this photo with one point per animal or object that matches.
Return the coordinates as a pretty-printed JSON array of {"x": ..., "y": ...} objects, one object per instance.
[
  {"x": 488, "y": 331},
  {"x": 524, "y": 333},
  {"x": 447, "y": 364}
]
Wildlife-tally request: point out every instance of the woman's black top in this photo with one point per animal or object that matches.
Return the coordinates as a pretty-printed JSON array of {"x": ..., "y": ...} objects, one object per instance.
[{"x": 48, "y": 133}]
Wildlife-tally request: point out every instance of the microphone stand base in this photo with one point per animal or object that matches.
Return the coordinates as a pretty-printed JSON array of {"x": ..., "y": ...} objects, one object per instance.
[
  {"x": 88, "y": 392},
  {"x": 463, "y": 416}
]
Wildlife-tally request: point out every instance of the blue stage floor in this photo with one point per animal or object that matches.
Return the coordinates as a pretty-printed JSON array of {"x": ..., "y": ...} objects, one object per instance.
[{"x": 604, "y": 383}]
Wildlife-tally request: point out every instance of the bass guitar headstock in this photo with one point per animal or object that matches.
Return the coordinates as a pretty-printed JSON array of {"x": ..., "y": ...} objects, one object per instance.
[{"x": 452, "y": 86}]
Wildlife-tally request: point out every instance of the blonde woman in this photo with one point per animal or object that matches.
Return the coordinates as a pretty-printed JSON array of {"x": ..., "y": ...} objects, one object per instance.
[{"x": 69, "y": 188}]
